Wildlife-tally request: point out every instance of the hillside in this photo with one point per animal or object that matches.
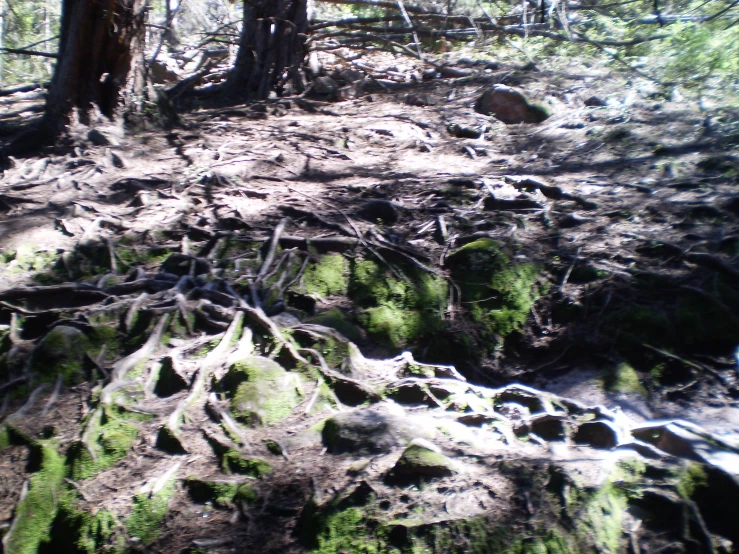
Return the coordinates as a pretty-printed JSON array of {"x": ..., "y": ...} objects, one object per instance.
[{"x": 377, "y": 321}]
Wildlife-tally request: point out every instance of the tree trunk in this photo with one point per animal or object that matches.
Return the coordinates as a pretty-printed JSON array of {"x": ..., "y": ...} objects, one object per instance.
[
  {"x": 101, "y": 61},
  {"x": 271, "y": 48}
]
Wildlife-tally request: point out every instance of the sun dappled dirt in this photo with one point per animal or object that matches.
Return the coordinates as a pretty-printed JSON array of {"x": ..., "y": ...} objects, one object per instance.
[{"x": 628, "y": 210}]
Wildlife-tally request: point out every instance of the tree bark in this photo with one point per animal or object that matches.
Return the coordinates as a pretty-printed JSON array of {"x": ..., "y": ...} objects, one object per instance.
[
  {"x": 271, "y": 48},
  {"x": 100, "y": 61}
]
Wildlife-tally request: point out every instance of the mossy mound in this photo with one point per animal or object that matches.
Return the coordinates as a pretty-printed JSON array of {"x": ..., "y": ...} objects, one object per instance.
[
  {"x": 328, "y": 277},
  {"x": 36, "y": 512},
  {"x": 419, "y": 461},
  {"x": 497, "y": 292},
  {"x": 398, "y": 311},
  {"x": 236, "y": 462},
  {"x": 624, "y": 379},
  {"x": 112, "y": 438},
  {"x": 61, "y": 352},
  {"x": 335, "y": 319},
  {"x": 220, "y": 493},
  {"x": 149, "y": 510},
  {"x": 262, "y": 392}
]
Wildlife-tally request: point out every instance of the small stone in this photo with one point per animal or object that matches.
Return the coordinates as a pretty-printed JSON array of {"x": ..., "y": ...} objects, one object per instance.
[
  {"x": 418, "y": 461},
  {"x": 97, "y": 138},
  {"x": 461, "y": 131},
  {"x": 380, "y": 210},
  {"x": 595, "y": 102},
  {"x": 325, "y": 86},
  {"x": 510, "y": 106}
]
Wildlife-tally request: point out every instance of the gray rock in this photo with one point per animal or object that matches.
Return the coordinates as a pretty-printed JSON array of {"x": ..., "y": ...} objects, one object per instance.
[
  {"x": 420, "y": 460},
  {"x": 510, "y": 106},
  {"x": 262, "y": 393},
  {"x": 97, "y": 138},
  {"x": 375, "y": 429},
  {"x": 376, "y": 210}
]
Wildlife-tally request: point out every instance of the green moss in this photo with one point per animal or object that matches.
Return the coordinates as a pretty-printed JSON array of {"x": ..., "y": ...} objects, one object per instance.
[
  {"x": 29, "y": 258},
  {"x": 261, "y": 391},
  {"x": 418, "y": 462},
  {"x": 624, "y": 378},
  {"x": 78, "y": 531},
  {"x": 340, "y": 531},
  {"x": 601, "y": 517},
  {"x": 235, "y": 462},
  {"x": 148, "y": 513},
  {"x": 113, "y": 437},
  {"x": 61, "y": 352},
  {"x": 245, "y": 493},
  {"x": 335, "y": 319},
  {"x": 4, "y": 437},
  {"x": 105, "y": 337},
  {"x": 273, "y": 446},
  {"x": 328, "y": 277},
  {"x": 220, "y": 493},
  {"x": 36, "y": 512},
  {"x": 693, "y": 477},
  {"x": 398, "y": 311},
  {"x": 497, "y": 293}
]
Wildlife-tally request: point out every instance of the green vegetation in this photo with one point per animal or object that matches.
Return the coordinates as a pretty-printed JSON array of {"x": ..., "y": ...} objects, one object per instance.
[
  {"x": 112, "y": 436},
  {"x": 77, "y": 530},
  {"x": 624, "y": 378},
  {"x": 236, "y": 462},
  {"x": 398, "y": 311},
  {"x": 262, "y": 393},
  {"x": 497, "y": 293},
  {"x": 148, "y": 513},
  {"x": 61, "y": 352},
  {"x": 328, "y": 277},
  {"x": 220, "y": 493},
  {"x": 36, "y": 512}
]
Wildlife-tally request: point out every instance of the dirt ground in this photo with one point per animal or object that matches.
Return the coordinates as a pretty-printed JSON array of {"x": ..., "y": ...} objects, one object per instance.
[{"x": 621, "y": 183}]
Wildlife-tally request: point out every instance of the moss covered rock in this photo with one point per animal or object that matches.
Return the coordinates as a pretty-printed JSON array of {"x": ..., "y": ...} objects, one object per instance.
[
  {"x": 421, "y": 460},
  {"x": 236, "y": 462},
  {"x": 376, "y": 429},
  {"x": 112, "y": 437},
  {"x": 497, "y": 292},
  {"x": 261, "y": 391},
  {"x": 36, "y": 512},
  {"x": 328, "y": 277},
  {"x": 397, "y": 311},
  {"x": 61, "y": 352},
  {"x": 335, "y": 319}
]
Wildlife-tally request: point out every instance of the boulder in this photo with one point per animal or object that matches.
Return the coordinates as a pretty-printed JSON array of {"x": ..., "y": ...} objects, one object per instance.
[
  {"x": 422, "y": 459},
  {"x": 510, "y": 106},
  {"x": 375, "y": 429},
  {"x": 261, "y": 391}
]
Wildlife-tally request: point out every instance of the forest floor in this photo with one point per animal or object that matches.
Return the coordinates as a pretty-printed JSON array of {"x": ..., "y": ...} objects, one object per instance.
[{"x": 614, "y": 225}]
